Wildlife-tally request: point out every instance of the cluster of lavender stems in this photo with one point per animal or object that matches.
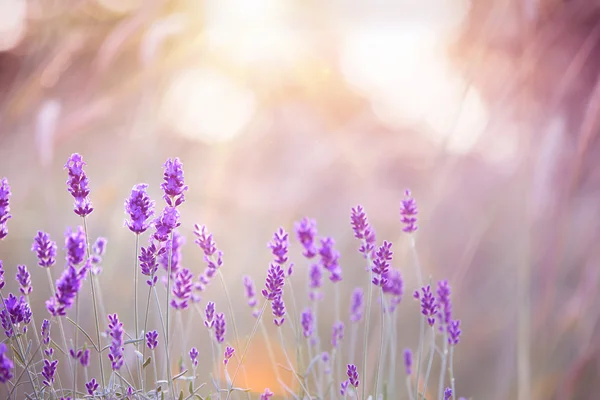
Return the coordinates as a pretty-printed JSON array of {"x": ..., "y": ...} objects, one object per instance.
[{"x": 184, "y": 291}]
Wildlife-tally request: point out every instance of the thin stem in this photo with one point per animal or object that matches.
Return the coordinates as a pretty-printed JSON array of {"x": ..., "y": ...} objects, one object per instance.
[
  {"x": 380, "y": 343},
  {"x": 93, "y": 302},
  {"x": 169, "y": 255},
  {"x": 430, "y": 362},
  {"x": 294, "y": 315},
  {"x": 366, "y": 335},
  {"x": 60, "y": 324},
  {"x": 270, "y": 350},
  {"x": 164, "y": 328},
  {"x": 76, "y": 344},
  {"x": 135, "y": 307},
  {"x": 452, "y": 371},
  {"x": 420, "y": 353},
  {"x": 409, "y": 389},
  {"x": 254, "y": 328},
  {"x": 145, "y": 327},
  {"x": 443, "y": 367},
  {"x": 291, "y": 366},
  {"x": 394, "y": 347}
]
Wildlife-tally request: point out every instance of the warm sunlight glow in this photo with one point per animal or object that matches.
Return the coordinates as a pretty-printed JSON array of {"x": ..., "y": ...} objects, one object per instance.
[
  {"x": 206, "y": 105},
  {"x": 255, "y": 33},
  {"x": 13, "y": 22}
]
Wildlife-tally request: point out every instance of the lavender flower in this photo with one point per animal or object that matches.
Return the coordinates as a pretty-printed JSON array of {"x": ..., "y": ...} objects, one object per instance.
[
  {"x": 307, "y": 321},
  {"x": 91, "y": 386},
  {"x": 353, "y": 375},
  {"x": 48, "y": 372},
  {"x": 4, "y": 207},
  {"x": 279, "y": 246},
  {"x": 428, "y": 304},
  {"x": 175, "y": 245},
  {"x": 67, "y": 287},
  {"x": 152, "y": 339},
  {"x": 408, "y": 212},
  {"x": 45, "y": 249},
  {"x": 165, "y": 223},
  {"x": 250, "y": 291},
  {"x": 278, "y": 308},
  {"x": 329, "y": 259},
  {"x": 85, "y": 358},
  {"x": 344, "y": 387},
  {"x": 148, "y": 263},
  {"x": 210, "y": 315},
  {"x": 98, "y": 250},
  {"x": 1, "y": 275},
  {"x": 77, "y": 185},
  {"x": 75, "y": 245},
  {"x": 338, "y": 333},
  {"x": 445, "y": 304},
  {"x": 212, "y": 255},
  {"x": 16, "y": 311},
  {"x": 454, "y": 332},
  {"x": 228, "y": 354},
  {"x": 182, "y": 289},
  {"x": 315, "y": 276},
  {"x": 408, "y": 361},
  {"x": 274, "y": 282},
  {"x": 46, "y": 337},
  {"x": 115, "y": 354},
  {"x": 24, "y": 279},
  {"x": 363, "y": 231},
  {"x": 447, "y": 393},
  {"x": 140, "y": 208},
  {"x": 356, "y": 305},
  {"x": 173, "y": 185},
  {"x": 194, "y": 356},
  {"x": 394, "y": 287},
  {"x": 220, "y": 327},
  {"x": 6, "y": 365},
  {"x": 381, "y": 264},
  {"x": 266, "y": 395},
  {"x": 75, "y": 354},
  {"x": 306, "y": 231}
]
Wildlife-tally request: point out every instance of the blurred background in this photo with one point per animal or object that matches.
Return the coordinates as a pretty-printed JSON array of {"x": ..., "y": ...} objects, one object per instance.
[{"x": 488, "y": 110}]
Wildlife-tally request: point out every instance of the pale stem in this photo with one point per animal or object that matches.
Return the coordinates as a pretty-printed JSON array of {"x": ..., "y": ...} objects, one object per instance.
[
  {"x": 430, "y": 362},
  {"x": 443, "y": 367}
]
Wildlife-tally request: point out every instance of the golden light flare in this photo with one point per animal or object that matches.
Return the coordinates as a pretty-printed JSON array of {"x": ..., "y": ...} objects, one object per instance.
[{"x": 206, "y": 105}]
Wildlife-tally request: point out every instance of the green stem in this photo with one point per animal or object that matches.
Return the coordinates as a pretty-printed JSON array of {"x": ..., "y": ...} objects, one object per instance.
[
  {"x": 380, "y": 344},
  {"x": 367, "y": 323},
  {"x": 430, "y": 362}
]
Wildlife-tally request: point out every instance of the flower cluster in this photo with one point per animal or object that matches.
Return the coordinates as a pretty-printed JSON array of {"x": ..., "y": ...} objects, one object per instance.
[
  {"x": 408, "y": 213},
  {"x": 228, "y": 354},
  {"x": 6, "y": 365},
  {"x": 363, "y": 231},
  {"x": 115, "y": 351},
  {"x": 24, "y": 279},
  {"x": 173, "y": 185},
  {"x": 4, "y": 207},
  {"x": 67, "y": 287},
  {"x": 306, "y": 231},
  {"x": 182, "y": 289},
  {"x": 48, "y": 372},
  {"x": 148, "y": 261},
  {"x": 194, "y": 356},
  {"x": 140, "y": 208},
  {"x": 429, "y": 305},
  {"x": 330, "y": 259},
  {"x": 381, "y": 264},
  {"x": 45, "y": 249},
  {"x": 75, "y": 245},
  {"x": 16, "y": 312},
  {"x": 152, "y": 340},
  {"x": 77, "y": 185}
]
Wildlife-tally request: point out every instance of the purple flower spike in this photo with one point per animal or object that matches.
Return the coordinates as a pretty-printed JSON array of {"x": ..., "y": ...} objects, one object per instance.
[
  {"x": 115, "y": 353},
  {"x": 77, "y": 185},
  {"x": 445, "y": 304},
  {"x": 363, "y": 231},
  {"x": 4, "y": 207},
  {"x": 75, "y": 354},
  {"x": 353, "y": 375},
  {"x": 447, "y": 393},
  {"x": 173, "y": 185},
  {"x": 194, "y": 356},
  {"x": 356, "y": 305},
  {"x": 381, "y": 264},
  {"x": 6, "y": 365},
  {"x": 140, "y": 208},
  {"x": 228, "y": 354},
  {"x": 176, "y": 244},
  {"x": 344, "y": 387},
  {"x": 306, "y": 231},
  {"x": 152, "y": 339},
  {"x": 165, "y": 223},
  {"x": 274, "y": 282},
  {"x": 75, "y": 245},
  {"x": 91, "y": 386},
  {"x": 45, "y": 249},
  {"x": 24, "y": 279},
  {"x": 315, "y": 276},
  {"x": 329, "y": 259},
  {"x": 68, "y": 285},
  {"x": 182, "y": 289},
  {"x": 46, "y": 337},
  {"x": 408, "y": 213},
  {"x": 428, "y": 304},
  {"x": 394, "y": 287},
  {"x": 85, "y": 358},
  {"x": 454, "y": 332},
  {"x": 338, "y": 333},
  {"x": 148, "y": 263},
  {"x": 210, "y": 315},
  {"x": 308, "y": 321},
  {"x": 408, "y": 361},
  {"x": 99, "y": 247},
  {"x": 279, "y": 246},
  {"x": 48, "y": 372},
  {"x": 16, "y": 311},
  {"x": 220, "y": 327},
  {"x": 267, "y": 394},
  {"x": 1, "y": 275},
  {"x": 278, "y": 308}
]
